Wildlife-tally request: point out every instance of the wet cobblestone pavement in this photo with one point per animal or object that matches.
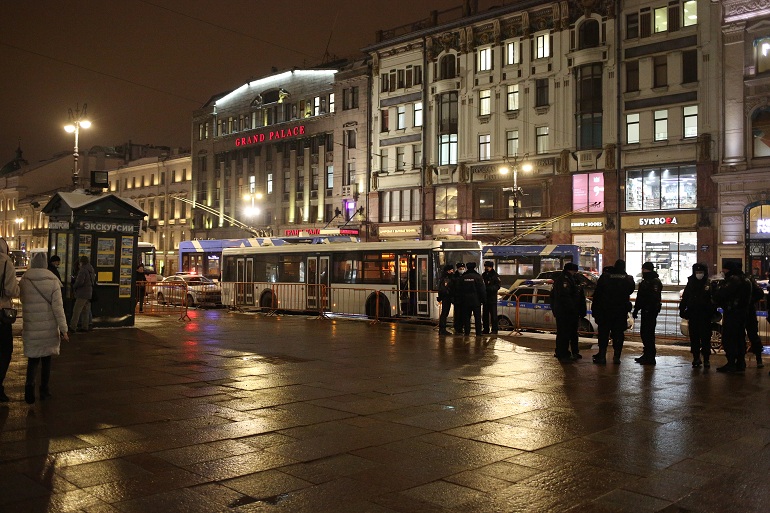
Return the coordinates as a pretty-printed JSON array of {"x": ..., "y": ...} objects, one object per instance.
[{"x": 247, "y": 413}]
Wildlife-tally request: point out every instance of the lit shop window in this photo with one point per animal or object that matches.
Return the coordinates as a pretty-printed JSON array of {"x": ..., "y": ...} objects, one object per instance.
[{"x": 661, "y": 188}]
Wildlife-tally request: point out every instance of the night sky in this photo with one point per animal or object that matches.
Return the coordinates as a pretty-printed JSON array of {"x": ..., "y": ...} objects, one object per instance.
[{"x": 143, "y": 66}]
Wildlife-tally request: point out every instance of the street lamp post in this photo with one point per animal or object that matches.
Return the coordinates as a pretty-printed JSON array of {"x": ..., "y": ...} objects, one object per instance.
[
  {"x": 77, "y": 120},
  {"x": 504, "y": 170}
]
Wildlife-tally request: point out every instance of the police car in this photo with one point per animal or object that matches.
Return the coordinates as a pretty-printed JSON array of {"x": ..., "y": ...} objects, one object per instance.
[{"x": 533, "y": 298}]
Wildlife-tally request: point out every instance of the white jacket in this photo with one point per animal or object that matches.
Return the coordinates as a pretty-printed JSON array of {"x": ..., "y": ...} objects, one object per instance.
[
  {"x": 42, "y": 322},
  {"x": 7, "y": 271}
]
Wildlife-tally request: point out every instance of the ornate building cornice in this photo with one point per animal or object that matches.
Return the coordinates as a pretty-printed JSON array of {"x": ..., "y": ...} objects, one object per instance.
[{"x": 739, "y": 10}]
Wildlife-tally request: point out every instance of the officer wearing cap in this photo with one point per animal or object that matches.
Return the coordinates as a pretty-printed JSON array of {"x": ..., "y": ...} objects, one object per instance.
[
  {"x": 733, "y": 296},
  {"x": 697, "y": 306},
  {"x": 492, "y": 284},
  {"x": 565, "y": 304},
  {"x": 649, "y": 302},
  {"x": 457, "y": 299},
  {"x": 445, "y": 297},
  {"x": 610, "y": 306},
  {"x": 473, "y": 293}
]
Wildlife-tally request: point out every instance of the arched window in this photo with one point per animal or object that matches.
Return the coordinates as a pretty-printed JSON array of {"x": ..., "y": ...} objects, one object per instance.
[
  {"x": 448, "y": 66},
  {"x": 588, "y": 34},
  {"x": 760, "y": 132}
]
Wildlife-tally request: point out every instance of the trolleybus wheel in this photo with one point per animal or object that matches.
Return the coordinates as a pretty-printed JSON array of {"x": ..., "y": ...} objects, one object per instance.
[{"x": 375, "y": 310}]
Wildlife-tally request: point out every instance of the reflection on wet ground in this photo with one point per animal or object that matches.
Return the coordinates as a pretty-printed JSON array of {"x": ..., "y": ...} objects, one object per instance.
[{"x": 246, "y": 413}]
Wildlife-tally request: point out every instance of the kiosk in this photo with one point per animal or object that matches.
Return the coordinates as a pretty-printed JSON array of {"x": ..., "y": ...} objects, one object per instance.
[{"x": 105, "y": 228}]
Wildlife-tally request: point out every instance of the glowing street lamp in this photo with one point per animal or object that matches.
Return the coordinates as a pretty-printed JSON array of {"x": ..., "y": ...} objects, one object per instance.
[
  {"x": 78, "y": 120},
  {"x": 252, "y": 211},
  {"x": 504, "y": 170}
]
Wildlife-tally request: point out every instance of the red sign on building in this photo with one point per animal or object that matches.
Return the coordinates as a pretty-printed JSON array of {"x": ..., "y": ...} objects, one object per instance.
[{"x": 270, "y": 135}]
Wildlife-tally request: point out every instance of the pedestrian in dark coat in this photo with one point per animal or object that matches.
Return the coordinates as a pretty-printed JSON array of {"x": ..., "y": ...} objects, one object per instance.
[
  {"x": 445, "y": 297},
  {"x": 733, "y": 296},
  {"x": 10, "y": 290},
  {"x": 473, "y": 293},
  {"x": 53, "y": 266},
  {"x": 565, "y": 305},
  {"x": 697, "y": 306},
  {"x": 83, "y": 288},
  {"x": 610, "y": 307},
  {"x": 457, "y": 298},
  {"x": 140, "y": 278},
  {"x": 492, "y": 284},
  {"x": 648, "y": 301}
]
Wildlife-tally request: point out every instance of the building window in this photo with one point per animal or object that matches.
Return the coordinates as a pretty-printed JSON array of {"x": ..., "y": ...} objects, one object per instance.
[
  {"x": 383, "y": 160},
  {"x": 350, "y": 178},
  {"x": 384, "y": 83},
  {"x": 661, "y": 125},
  {"x": 661, "y": 19},
  {"x": 418, "y": 114},
  {"x": 660, "y": 76},
  {"x": 543, "y": 46},
  {"x": 400, "y": 205},
  {"x": 588, "y": 34},
  {"x": 416, "y": 156},
  {"x": 690, "y": 12},
  {"x": 317, "y": 106},
  {"x": 512, "y": 143},
  {"x": 447, "y": 113},
  {"x": 485, "y": 102},
  {"x": 588, "y": 108},
  {"x": 690, "y": 116},
  {"x": 270, "y": 183},
  {"x": 541, "y": 92},
  {"x": 350, "y": 139},
  {"x": 632, "y": 76},
  {"x": 401, "y": 117},
  {"x": 350, "y": 98},
  {"x": 632, "y": 128},
  {"x": 448, "y": 66},
  {"x": 447, "y": 149},
  {"x": 329, "y": 177},
  {"x": 485, "y": 204},
  {"x": 513, "y": 97},
  {"x": 512, "y": 52},
  {"x": 331, "y": 102},
  {"x": 632, "y": 26},
  {"x": 400, "y": 161},
  {"x": 587, "y": 191},
  {"x": 384, "y": 120},
  {"x": 400, "y": 79},
  {"x": 485, "y": 147},
  {"x": 484, "y": 59},
  {"x": 661, "y": 188},
  {"x": 689, "y": 66},
  {"x": 446, "y": 202},
  {"x": 541, "y": 139}
]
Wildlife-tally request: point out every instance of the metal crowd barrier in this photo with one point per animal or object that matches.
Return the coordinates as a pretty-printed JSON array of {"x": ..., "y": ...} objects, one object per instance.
[{"x": 162, "y": 298}]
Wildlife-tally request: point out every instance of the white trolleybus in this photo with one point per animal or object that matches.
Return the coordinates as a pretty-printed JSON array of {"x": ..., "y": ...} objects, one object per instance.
[{"x": 375, "y": 279}]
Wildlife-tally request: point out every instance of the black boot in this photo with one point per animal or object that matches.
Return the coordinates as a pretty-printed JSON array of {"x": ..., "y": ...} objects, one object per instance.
[
  {"x": 29, "y": 393},
  {"x": 706, "y": 362},
  {"x": 600, "y": 357}
]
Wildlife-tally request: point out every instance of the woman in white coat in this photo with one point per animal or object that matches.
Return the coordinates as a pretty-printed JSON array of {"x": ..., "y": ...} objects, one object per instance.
[{"x": 44, "y": 323}]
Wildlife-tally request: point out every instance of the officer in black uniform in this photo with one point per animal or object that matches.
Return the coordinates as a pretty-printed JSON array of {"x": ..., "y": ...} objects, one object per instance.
[
  {"x": 610, "y": 307},
  {"x": 649, "y": 302},
  {"x": 457, "y": 298},
  {"x": 445, "y": 297},
  {"x": 697, "y": 306},
  {"x": 733, "y": 296},
  {"x": 565, "y": 298},
  {"x": 473, "y": 293},
  {"x": 492, "y": 285}
]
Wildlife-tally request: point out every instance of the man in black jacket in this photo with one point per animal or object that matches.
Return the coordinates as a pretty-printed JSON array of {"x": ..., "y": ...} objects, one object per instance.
[
  {"x": 733, "y": 296},
  {"x": 473, "y": 293},
  {"x": 445, "y": 297},
  {"x": 492, "y": 285},
  {"x": 457, "y": 299},
  {"x": 649, "y": 302},
  {"x": 610, "y": 307},
  {"x": 752, "y": 325},
  {"x": 565, "y": 305},
  {"x": 697, "y": 306}
]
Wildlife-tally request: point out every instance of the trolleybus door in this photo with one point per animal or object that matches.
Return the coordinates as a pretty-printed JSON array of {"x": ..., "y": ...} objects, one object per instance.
[
  {"x": 312, "y": 283},
  {"x": 422, "y": 285},
  {"x": 244, "y": 278},
  {"x": 323, "y": 281},
  {"x": 239, "y": 288},
  {"x": 249, "y": 282}
]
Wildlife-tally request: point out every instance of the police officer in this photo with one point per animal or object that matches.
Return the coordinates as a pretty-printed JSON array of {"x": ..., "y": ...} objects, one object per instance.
[
  {"x": 492, "y": 285},
  {"x": 457, "y": 298},
  {"x": 611, "y": 304},
  {"x": 445, "y": 297},
  {"x": 752, "y": 325},
  {"x": 698, "y": 308},
  {"x": 565, "y": 298},
  {"x": 733, "y": 295},
  {"x": 473, "y": 293},
  {"x": 649, "y": 302}
]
